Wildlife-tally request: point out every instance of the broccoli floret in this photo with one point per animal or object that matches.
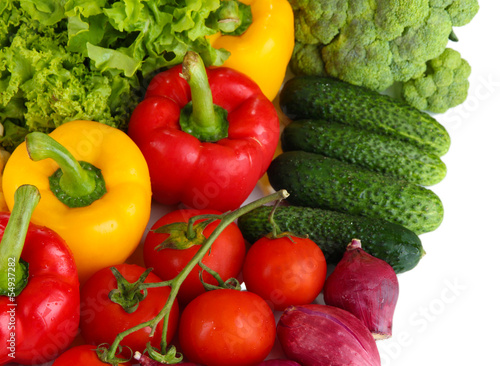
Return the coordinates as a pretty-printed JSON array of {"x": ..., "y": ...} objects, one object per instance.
[
  {"x": 419, "y": 44},
  {"x": 318, "y": 21},
  {"x": 374, "y": 43},
  {"x": 461, "y": 12},
  {"x": 444, "y": 84},
  {"x": 361, "y": 58},
  {"x": 307, "y": 57}
]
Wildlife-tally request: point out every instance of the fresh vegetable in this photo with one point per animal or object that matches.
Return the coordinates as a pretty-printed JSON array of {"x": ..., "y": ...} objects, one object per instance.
[
  {"x": 61, "y": 61},
  {"x": 167, "y": 354},
  {"x": 374, "y": 44},
  {"x": 227, "y": 327},
  {"x": 121, "y": 305},
  {"x": 82, "y": 355},
  {"x": 4, "y": 156},
  {"x": 331, "y": 230},
  {"x": 365, "y": 286},
  {"x": 39, "y": 302},
  {"x": 43, "y": 84},
  {"x": 315, "y": 180},
  {"x": 324, "y": 335},
  {"x": 443, "y": 85},
  {"x": 326, "y": 98},
  {"x": 169, "y": 253},
  {"x": 208, "y": 135},
  {"x": 101, "y": 213},
  {"x": 285, "y": 270},
  {"x": 376, "y": 152},
  {"x": 264, "y": 49}
]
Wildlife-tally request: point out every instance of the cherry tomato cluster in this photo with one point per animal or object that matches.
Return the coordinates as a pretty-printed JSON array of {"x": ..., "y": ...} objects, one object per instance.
[{"x": 212, "y": 321}]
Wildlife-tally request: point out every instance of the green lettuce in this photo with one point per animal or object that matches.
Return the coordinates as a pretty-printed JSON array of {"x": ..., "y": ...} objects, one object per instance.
[{"x": 91, "y": 59}]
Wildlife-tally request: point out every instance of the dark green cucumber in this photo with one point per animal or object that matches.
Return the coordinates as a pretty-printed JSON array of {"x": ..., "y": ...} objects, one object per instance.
[
  {"x": 318, "y": 181},
  {"x": 332, "y": 231},
  {"x": 379, "y": 153},
  {"x": 321, "y": 97}
]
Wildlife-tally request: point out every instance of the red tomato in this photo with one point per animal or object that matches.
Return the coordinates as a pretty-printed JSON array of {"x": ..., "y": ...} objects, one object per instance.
[
  {"x": 285, "y": 271},
  {"x": 83, "y": 355},
  {"x": 225, "y": 256},
  {"x": 102, "y": 319},
  {"x": 227, "y": 327}
]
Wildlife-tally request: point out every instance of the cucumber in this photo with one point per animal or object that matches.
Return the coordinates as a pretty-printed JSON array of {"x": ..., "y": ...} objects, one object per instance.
[
  {"x": 318, "y": 181},
  {"x": 322, "y": 97},
  {"x": 379, "y": 153},
  {"x": 332, "y": 231}
]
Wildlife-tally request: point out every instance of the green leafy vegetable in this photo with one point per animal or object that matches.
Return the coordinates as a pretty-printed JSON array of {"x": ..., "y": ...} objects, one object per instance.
[{"x": 88, "y": 59}]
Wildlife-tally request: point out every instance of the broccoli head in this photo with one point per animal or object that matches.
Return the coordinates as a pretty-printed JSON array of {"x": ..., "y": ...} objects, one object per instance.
[
  {"x": 443, "y": 85},
  {"x": 374, "y": 43}
]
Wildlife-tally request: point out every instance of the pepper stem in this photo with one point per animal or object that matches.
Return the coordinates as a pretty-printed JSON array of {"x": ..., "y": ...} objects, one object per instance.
[
  {"x": 234, "y": 17},
  {"x": 201, "y": 117},
  {"x": 13, "y": 270},
  {"x": 76, "y": 184}
]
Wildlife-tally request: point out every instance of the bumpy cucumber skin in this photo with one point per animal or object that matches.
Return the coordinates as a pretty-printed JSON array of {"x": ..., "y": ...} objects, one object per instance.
[
  {"x": 320, "y": 97},
  {"x": 332, "y": 231},
  {"x": 318, "y": 181},
  {"x": 375, "y": 152}
]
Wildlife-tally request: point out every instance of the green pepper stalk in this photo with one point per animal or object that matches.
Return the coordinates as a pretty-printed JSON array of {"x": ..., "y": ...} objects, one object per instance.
[
  {"x": 175, "y": 284},
  {"x": 233, "y": 17},
  {"x": 201, "y": 117},
  {"x": 13, "y": 270},
  {"x": 76, "y": 184}
]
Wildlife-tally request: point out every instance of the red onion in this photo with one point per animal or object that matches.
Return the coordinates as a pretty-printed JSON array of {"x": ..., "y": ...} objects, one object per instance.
[
  {"x": 365, "y": 286},
  {"x": 323, "y": 335}
]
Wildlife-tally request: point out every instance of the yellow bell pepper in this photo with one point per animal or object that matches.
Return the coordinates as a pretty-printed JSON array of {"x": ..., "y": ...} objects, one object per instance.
[
  {"x": 102, "y": 228},
  {"x": 263, "y": 51},
  {"x": 4, "y": 156}
]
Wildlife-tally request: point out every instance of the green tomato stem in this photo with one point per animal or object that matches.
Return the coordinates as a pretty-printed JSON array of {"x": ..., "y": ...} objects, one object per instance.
[
  {"x": 128, "y": 295},
  {"x": 14, "y": 271},
  {"x": 76, "y": 184},
  {"x": 225, "y": 220}
]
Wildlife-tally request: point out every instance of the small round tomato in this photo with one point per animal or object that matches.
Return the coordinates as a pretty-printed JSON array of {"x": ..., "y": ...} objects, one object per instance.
[
  {"x": 227, "y": 327},
  {"x": 102, "y": 320},
  {"x": 83, "y": 355},
  {"x": 225, "y": 256},
  {"x": 285, "y": 271}
]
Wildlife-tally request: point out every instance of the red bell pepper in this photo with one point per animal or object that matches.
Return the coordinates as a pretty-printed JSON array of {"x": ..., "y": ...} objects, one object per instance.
[
  {"x": 208, "y": 135},
  {"x": 39, "y": 288}
]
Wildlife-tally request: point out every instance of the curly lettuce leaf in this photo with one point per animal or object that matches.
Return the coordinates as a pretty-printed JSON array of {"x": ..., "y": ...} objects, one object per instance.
[
  {"x": 62, "y": 60},
  {"x": 133, "y": 35},
  {"x": 43, "y": 86}
]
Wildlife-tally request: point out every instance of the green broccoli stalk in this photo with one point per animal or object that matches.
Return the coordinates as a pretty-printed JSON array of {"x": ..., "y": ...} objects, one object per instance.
[
  {"x": 443, "y": 85},
  {"x": 374, "y": 43}
]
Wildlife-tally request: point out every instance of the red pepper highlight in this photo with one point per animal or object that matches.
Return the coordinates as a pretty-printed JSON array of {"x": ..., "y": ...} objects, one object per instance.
[{"x": 189, "y": 167}]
